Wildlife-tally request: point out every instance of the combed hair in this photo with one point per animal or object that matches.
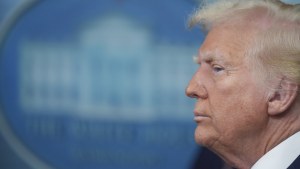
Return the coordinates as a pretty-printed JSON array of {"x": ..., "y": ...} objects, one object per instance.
[{"x": 275, "y": 49}]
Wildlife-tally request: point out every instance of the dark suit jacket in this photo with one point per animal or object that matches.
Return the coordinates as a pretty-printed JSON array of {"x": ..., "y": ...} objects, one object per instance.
[
  {"x": 208, "y": 160},
  {"x": 205, "y": 159},
  {"x": 295, "y": 164}
]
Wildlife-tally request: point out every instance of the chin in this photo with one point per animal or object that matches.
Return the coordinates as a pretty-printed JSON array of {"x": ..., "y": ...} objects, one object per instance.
[{"x": 204, "y": 137}]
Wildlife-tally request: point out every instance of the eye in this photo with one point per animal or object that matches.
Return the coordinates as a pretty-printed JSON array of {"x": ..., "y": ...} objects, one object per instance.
[{"x": 217, "y": 68}]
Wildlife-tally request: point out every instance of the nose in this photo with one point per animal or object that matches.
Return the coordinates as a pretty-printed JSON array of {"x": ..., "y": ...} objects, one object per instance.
[{"x": 196, "y": 89}]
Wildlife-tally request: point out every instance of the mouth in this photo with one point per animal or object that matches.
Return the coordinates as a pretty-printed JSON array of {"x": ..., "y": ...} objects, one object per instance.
[{"x": 198, "y": 117}]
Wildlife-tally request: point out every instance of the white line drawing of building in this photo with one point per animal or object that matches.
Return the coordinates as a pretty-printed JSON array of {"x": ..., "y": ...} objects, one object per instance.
[{"x": 116, "y": 70}]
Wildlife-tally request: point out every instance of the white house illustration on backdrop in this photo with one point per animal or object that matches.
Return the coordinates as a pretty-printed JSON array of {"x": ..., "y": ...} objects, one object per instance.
[{"x": 115, "y": 70}]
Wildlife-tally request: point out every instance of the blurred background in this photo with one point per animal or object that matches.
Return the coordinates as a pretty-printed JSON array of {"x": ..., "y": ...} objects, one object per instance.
[{"x": 98, "y": 85}]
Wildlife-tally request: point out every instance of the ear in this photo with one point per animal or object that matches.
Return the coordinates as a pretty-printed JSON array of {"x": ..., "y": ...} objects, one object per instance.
[{"x": 282, "y": 98}]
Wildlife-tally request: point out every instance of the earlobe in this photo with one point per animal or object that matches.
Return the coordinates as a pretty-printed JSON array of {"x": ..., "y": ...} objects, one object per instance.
[{"x": 282, "y": 98}]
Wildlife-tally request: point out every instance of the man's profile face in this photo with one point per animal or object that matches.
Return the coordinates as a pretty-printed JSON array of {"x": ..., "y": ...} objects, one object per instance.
[{"x": 231, "y": 102}]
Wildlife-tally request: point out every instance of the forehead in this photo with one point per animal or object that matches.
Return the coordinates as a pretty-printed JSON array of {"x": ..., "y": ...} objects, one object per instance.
[{"x": 226, "y": 42}]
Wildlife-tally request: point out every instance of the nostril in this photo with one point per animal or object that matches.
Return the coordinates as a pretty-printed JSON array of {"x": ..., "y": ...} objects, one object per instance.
[
  {"x": 196, "y": 91},
  {"x": 193, "y": 96},
  {"x": 190, "y": 92}
]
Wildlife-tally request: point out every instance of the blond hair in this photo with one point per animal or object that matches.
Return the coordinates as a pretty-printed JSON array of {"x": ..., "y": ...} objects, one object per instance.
[{"x": 275, "y": 49}]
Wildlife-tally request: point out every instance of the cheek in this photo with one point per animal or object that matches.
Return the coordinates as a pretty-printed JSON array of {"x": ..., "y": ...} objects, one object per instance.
[
  {"x": 223, "y": 103},
  {"x": 234, "y": 94},
  {"x": 239, "y": 115},
  {"x": 235, "y": 101}
]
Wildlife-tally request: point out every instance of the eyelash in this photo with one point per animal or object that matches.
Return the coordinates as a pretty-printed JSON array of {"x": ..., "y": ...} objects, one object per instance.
[{"x": 217, "y": 68}]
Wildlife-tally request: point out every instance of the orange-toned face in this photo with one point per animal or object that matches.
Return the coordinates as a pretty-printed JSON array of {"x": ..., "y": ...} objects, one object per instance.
[{"x": 231, "y": 103}]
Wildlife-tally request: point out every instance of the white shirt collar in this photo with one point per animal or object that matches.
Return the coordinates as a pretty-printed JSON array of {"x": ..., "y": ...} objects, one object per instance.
[{"x": 281, "y": 156}]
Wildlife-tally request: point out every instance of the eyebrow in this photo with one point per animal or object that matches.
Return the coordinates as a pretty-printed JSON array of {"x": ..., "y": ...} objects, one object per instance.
[{"x": 209, "y": 57}]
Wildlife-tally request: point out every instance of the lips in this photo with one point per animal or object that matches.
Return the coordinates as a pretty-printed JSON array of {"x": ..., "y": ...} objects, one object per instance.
[{"x": 198, "y": 117}]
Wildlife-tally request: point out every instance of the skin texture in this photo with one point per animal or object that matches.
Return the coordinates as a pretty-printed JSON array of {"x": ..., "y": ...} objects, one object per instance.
[
  {"x": 231, "y": 106},
  {"x": 239, "y": 115}
]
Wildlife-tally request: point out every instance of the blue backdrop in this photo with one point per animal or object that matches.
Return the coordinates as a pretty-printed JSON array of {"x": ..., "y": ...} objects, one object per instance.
[{"x": 98, "y": 84}]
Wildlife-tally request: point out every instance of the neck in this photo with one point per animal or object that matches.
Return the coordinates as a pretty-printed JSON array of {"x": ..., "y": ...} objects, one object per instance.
[
  {"x": 247, "y": 151},
  {"x": 280, "y": 128},
  {"x": 244, "y": 154}
]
